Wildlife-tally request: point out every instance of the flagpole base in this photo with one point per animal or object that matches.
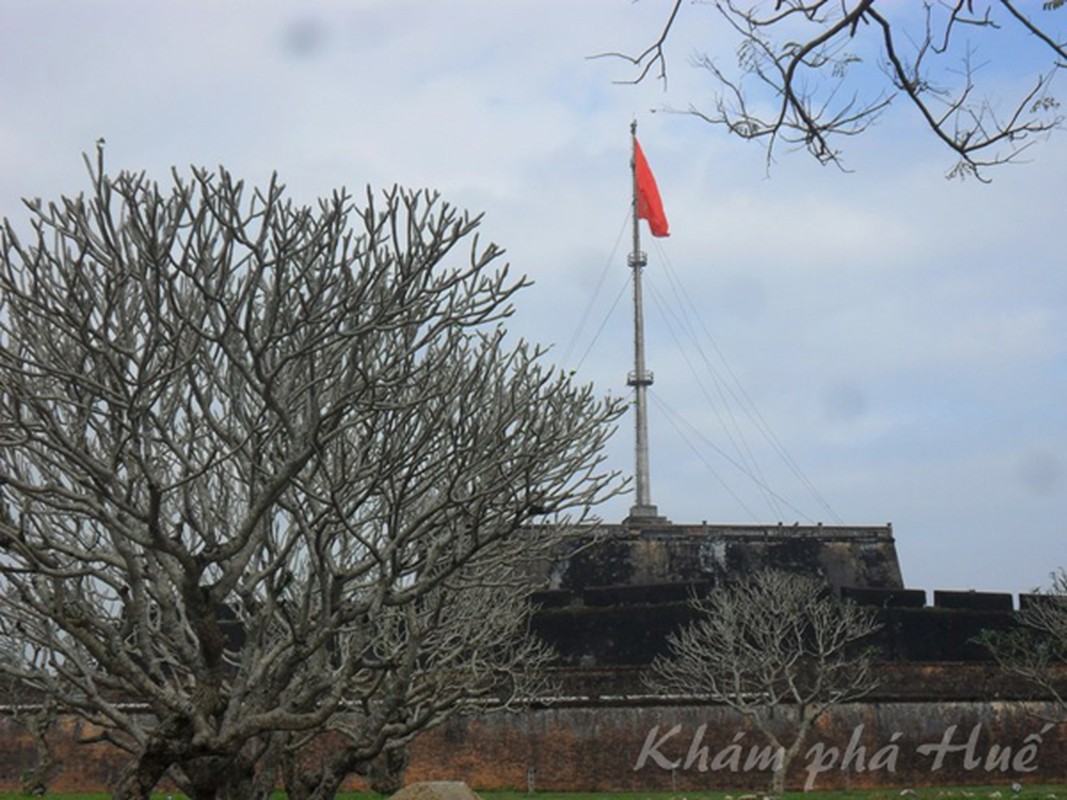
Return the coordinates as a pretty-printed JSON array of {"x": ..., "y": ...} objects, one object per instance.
[{"x": 645, "y": 515}]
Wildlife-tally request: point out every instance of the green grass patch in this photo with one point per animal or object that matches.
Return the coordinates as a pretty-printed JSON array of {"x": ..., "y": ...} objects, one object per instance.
[
  {"x": 1002, "y": 791},
  {"x": 992, "y": 792}
]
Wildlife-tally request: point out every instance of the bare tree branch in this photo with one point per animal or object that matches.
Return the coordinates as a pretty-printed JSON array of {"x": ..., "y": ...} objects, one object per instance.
[
  {"x": 1036, "y": 650},
  {"x": 653, "y": 55},
  {"x": 775, "y": 642},
  {"x": 266, "y": 470},
  {"x": 801, "y": 77}
]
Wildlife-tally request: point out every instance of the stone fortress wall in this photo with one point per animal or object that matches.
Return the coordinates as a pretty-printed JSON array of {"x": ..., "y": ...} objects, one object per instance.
[{"x": 942, "y": 715}]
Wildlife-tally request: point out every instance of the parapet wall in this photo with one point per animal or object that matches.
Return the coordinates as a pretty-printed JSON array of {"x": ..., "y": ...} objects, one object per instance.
[
  {"x": 609, "y": 599},
  {"x": 620, "y": 555},
  {"x": 611, "y": 595},
  {"x": 935, "y": 724},
  {"x": 692, "y": 747},
  {"x": 628, "y": 625}
]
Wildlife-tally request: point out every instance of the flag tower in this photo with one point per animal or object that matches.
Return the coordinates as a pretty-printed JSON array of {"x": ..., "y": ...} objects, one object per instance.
[{"x": 647, "y": 206}]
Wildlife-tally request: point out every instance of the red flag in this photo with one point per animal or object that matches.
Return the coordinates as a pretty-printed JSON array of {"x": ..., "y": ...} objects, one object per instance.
[{"x": 649, "y": 206}]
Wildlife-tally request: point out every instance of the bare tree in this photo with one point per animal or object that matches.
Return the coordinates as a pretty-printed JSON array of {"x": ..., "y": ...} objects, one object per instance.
[
  {"x": 463, "y": 648},
  {"x": 811, "y": 72},
  {"x": 37, "y": 716},
  {"x": 1036, "y": 650},
  {"x": 253, "y": 458},
  {"x": 38, "y": 719},
  {"x": 778, "y": 649}
]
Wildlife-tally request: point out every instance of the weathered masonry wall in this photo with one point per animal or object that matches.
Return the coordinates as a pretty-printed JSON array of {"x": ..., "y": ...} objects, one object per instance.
[
  {"x": 632, "y": 628},
  {"x": 612, "y": 557},
  {"x": 612, "y": 594},
  {"x": 672, "y": 748},
  {"x": 928, "y": 724},
  {"x": 646, "y": 748},
  {"x": 942, "y": 715}
]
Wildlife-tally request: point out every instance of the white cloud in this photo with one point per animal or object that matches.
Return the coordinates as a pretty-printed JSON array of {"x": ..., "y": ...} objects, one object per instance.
[{"x": 901, "y": 334}]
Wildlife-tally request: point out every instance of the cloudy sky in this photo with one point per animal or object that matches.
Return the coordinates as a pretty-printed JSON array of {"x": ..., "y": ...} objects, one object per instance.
[{"x": 902, "y": 336}]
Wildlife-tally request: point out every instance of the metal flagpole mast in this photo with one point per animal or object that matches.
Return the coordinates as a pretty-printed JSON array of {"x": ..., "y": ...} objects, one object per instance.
[{"x": 640, "y": 378}]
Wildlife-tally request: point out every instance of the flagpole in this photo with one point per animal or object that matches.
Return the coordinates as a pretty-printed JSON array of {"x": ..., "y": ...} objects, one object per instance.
[{"x": 640, "y": 378}]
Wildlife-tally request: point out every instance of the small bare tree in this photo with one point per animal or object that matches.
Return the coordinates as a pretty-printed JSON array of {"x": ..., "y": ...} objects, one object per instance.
[
  {"x": 463, "y": 648},
  {"x": 261, "y": 465},
  {"x": 776, "y": 648},
  {"x": 1036, "y": 650},
  {"x": 38, "y": 719},
  {"x": 36, "y": 715},
  {"x": 803, "y": 73}
]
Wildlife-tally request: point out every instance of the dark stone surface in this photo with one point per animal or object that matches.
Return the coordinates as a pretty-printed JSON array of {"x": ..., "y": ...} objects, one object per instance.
[
  {"x": 620, "y": 555},
  {"x": 885, "y": 598},
  {"x": 634, "y": 634},
  {"x": 973, "y": 601},
  {"x": 614, "y": 593}
]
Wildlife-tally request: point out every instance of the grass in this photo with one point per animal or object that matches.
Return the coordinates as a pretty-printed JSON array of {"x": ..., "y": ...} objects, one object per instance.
[{"x": 1036, "y": 792}]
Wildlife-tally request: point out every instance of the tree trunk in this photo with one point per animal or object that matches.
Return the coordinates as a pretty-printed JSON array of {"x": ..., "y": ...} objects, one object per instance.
[
  {"x": 778, "y": 780},
  {"x": 139, "y": 778},
  {"x": 317, "y": 783},
  {"x": 789, "y": 753},
  {"x": 385, "y": 774},
  {"x": 39, "y": 723},
  {"x": 221, "y": 778}
]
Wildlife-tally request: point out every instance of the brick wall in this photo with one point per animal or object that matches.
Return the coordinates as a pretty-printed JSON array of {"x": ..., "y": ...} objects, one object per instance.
[
  {"x": 634, "y": 748},
  {"x": 598, "y": 746}
]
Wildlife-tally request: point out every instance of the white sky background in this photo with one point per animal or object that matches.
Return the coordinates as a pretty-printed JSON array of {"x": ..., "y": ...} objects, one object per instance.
[{"x": 901, "y": 334}]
